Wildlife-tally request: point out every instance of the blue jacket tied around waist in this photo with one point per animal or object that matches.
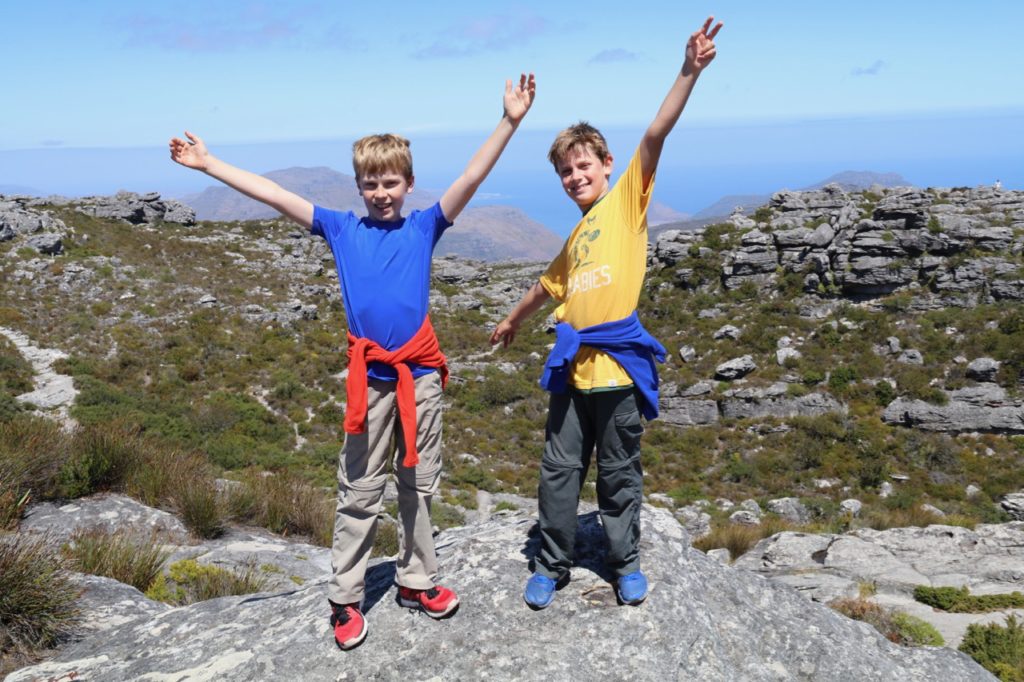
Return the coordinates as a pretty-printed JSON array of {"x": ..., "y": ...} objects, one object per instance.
[{"x": 626, "y": 340}]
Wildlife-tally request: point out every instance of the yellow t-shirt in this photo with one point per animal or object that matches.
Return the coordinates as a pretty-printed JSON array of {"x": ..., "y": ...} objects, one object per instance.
[{"x": 600, "y": 271}]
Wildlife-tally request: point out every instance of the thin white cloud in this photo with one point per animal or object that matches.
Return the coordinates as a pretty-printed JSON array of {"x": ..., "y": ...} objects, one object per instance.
[
  {"x": 872, "y": 70},
  {"x": 485, "y": 34},
  {"x": 256, "y": 25},
  {"x": 614, "y": 55}
]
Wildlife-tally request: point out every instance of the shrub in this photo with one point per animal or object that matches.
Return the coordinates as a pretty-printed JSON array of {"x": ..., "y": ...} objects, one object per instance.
[
  {"x": 32, "y": 451},
  {"x": 999, "y": 649},
  {"x": 283, "y": 504},
  {"x": 960, "y": 600},
  {"x": 131, "y": 559},
  {"x": 895, "y": 626},
  {"x": 738, "y": 539},
  {"x": 188, "y": 581},
  {"x": 37, "y": 596},
  {"x": 200, "y": 508},
  {"x": 100, "y": 459}
]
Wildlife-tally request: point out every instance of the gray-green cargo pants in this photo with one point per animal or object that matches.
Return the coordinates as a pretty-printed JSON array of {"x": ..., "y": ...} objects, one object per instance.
[{"x": 577, "y": 423}]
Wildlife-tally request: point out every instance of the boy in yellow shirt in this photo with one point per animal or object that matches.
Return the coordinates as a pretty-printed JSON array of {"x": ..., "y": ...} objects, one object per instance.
[{"x": 601, "y": 373}]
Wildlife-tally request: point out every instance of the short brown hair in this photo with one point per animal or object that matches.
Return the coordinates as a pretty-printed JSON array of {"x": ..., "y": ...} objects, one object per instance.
[
  {"x": 575, "y": 136},
  {"x": 385, "y": 153}
]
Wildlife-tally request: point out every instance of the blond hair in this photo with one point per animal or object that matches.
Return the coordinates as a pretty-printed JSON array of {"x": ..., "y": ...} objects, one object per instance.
[
  {"x": 385, "y": 153},
  {"x": 581, "y": 135}
]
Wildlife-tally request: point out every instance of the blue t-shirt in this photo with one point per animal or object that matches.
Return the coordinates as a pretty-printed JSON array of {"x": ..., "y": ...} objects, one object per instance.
[{"x": 384, "y": 271}]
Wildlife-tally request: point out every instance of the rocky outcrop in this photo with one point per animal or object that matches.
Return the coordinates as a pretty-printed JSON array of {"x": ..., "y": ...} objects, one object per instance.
[
  {"x": 988, "y": 559},
  {"x": 702, "y": 621},
  {"x": 956, "y": 244},
  {"x": 984, "y": 408},
  {"x": 137, "y": 208}
]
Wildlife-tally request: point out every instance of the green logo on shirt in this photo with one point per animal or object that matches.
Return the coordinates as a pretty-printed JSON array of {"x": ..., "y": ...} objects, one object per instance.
[{"x": 581, "y": 249}]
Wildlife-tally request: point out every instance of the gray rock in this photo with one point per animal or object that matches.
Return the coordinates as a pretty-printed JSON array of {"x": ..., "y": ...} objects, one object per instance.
[
  {"x": 687, "y": 353},
  {"x": 756, "y": 404},
  {"x": 727, "y": 332},
  {"x": 782, "y": 355},
  {"x": 735, "y": 368},
  {"x": 790, "y": 508},
  {"x": 687, "y": 412},
  {"x": 744, "y": 517},
  {"x": 885, "y": 489},
  {"x": 983, "y": 369},
  {"x": 851, "y": 506},
  {"x": 911, "y": 356},
  {"x": 1013, "y": 504},
  {"x": 702, "y": 621},
  {"x": 47, "y": 243},
  {"x": 106, "y": 512},
  {"x": 958, "y": 415},
  {"x": 987, "y": 560}
]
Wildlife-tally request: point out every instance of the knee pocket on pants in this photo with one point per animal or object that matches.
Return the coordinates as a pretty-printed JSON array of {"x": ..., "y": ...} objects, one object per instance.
[{"x": 629, "y": 427}]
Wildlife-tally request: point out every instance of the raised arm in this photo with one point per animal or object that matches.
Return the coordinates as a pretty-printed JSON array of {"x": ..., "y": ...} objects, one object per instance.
[
  {"x": 530, "y": 303},
  {"x": 517, "y": 101},
  {"x": 193, "y": 154},
  {"x": 700, "y": 50}
]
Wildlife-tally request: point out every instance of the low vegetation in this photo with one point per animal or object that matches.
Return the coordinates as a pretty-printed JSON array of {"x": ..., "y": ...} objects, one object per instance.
[
  {"x": 188, "y": 581},
  {"x": 129, "y": 558},
  {"x": 960, "y": 599},
  {"x": 997, "y": 648},
  {"x": 37, "y": 599},
  {"x": 896, "y": 626}
]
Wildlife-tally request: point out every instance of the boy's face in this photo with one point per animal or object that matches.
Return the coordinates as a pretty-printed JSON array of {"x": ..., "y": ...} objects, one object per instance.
[
  {"x": 384, "y": 195},
  {"x": 584, "y": 176}
]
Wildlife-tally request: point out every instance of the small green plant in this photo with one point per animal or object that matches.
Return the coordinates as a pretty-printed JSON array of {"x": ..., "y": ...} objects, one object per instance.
[
  {"x": 188, "y": 581},
  {"x": 131, "y": 559},
  {"x": 960, "y": 600},
  {"x": 997, "y": 648},
  {"x": 504, "y": 505}
]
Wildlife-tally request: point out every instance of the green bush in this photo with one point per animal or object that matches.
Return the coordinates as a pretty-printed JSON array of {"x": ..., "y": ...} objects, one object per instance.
[
  {"x": 200, "y": 508},
  {"x": 37, "y": 597},
  {"x": 188, "y": 581},
  {"x": 101, "y": 457},
  {"x": 997, "y": 648},
  {"x": 960, "y": 600}
]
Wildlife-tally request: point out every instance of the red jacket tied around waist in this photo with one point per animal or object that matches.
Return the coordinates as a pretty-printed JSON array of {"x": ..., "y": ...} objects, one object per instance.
[{"x": 421, "y": 349}]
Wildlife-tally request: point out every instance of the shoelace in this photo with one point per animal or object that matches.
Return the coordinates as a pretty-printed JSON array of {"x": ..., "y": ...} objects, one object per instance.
[{"x": 341, "y": 614}]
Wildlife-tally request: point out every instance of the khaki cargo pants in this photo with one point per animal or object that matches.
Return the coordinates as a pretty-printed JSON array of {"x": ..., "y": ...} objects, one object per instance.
[{"x": 362, "y": 473}]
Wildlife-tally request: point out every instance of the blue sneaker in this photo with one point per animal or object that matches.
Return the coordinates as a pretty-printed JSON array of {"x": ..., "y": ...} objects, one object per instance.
[
  {"x": 633, "y": 588},
  {"x": 540, "y": 591}
]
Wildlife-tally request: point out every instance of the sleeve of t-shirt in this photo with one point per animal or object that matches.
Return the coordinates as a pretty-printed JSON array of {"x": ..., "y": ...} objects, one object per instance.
[
  {"x": 554, "y": 279},
  {"x": 435, "y": 223},
  {"x": 327, "y": 222},
  {"x": 634, "y": 200}
]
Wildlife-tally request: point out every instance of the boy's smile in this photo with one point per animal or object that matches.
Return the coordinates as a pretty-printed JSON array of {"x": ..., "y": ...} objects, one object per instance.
[
  {"x": 384, "y": 194},
  {"x": 584, "y": 176}
]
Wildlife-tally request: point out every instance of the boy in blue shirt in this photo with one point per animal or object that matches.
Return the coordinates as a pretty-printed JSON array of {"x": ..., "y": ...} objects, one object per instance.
[
  {"x": 396, "y": 369},
  {"x": 601, "y": 372}
]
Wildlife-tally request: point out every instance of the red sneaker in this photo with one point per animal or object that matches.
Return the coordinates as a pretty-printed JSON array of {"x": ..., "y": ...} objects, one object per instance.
[
  {"x": 349, "y": 625},
  {"x": 437, "y": 602}
]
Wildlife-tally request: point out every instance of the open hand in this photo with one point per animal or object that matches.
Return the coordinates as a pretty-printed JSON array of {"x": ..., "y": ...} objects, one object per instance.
[
  {"x": 504, "y": 332},
  {"x": 700, "y": 48},
  {"x": 518, "y": 99},
  {"x": 191, "y": 154}
]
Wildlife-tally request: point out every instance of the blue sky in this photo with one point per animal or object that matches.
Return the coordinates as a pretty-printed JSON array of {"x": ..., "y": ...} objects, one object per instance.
[{"x": 93, "y": 90}]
